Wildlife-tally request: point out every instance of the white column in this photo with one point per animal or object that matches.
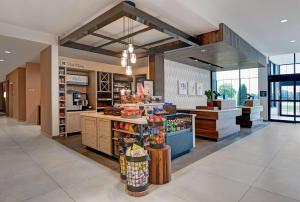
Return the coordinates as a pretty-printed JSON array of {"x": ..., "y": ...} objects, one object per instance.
[{"x": 54, "y": 89}]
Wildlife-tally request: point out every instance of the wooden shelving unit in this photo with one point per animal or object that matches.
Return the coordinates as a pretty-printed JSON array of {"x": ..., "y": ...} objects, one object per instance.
[
  {"x": 104, "y": 90},
  {"x": 120, "y": 82},
  {"x": 62, "y": 100}
]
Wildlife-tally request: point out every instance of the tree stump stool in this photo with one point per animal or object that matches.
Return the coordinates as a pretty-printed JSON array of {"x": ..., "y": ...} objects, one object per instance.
[{"x": 159, "y": 165}]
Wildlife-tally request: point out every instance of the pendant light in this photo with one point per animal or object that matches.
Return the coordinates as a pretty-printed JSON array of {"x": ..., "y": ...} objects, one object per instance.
[
  {"x": 130, "y": 48},
  {"x": 133, "y": 58},
  {"x": 128, "y": 57},
  {"x": 123, "y": 62},
  {"x": 128, "y": 70}
]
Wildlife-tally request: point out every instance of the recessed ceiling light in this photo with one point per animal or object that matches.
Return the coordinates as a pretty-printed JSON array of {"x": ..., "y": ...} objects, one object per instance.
[
  {"x": 203, "y": 50},
  {"x": 1, "y": 60},
  {"x": 292, "y": 41},
  {"x": 8, "y": 52},
  {"x": 283, "y": 20}
]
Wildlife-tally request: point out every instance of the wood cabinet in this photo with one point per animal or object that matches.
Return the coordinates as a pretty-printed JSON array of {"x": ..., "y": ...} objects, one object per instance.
[
  {"x": 73, "y": 122},
  {"x": 104, "y": 136},
  {"x": 96, "y": 133},
  {"x": 89, "y": 131}
]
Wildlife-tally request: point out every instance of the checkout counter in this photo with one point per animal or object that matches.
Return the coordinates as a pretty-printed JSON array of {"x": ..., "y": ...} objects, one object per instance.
[{"x": 218, "y": 123}]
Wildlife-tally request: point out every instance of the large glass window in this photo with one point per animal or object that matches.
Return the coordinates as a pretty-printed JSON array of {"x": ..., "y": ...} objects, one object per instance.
[
  {"x": 228, "y": 84},
  {"x": 285, "y": 64},
  {"x": 284, "y": 85},
  {"x": 236, "y": 84}
]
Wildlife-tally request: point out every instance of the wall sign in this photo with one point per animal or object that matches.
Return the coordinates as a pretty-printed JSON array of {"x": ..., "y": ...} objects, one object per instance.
[
  {"x": 192, "y": 88},
  {"x": 199, "y": 88},
  {"x": 148, "y": 87},
  {"x": 263, "y": 93}
]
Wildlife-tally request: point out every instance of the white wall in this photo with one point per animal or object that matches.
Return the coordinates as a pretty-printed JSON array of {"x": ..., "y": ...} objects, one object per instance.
[
  {"x": 263, "y": 86},
  {"x": 175, "y": 71}
]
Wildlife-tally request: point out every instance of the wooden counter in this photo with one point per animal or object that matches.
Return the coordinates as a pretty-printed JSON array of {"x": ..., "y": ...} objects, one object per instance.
[
  {"x": 96, "y": 130},
  {"x": 73, "y": 120},
  {"x": 140, "y": 121},
  {"x": 216, "y": 124}
]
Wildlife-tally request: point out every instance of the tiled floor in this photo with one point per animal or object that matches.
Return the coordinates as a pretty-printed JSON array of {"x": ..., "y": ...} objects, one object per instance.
[
  {"x": 203, "y": 149},
  {"x": 262, "y": 167}
]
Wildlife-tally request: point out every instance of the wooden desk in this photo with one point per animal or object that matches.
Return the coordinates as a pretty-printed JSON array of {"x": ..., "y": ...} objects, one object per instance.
[{"x": 216, "y": 124}]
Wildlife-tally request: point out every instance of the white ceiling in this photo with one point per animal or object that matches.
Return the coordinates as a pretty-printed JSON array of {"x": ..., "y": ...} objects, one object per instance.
[
  {"x": 257, "y": 21},
  {"x": 22, "y": 51}
]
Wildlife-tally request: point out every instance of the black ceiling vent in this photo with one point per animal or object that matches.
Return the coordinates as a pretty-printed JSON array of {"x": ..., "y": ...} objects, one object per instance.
[
  {"x": 131, "y": 3},
  {"x": 202, "y": 61}
]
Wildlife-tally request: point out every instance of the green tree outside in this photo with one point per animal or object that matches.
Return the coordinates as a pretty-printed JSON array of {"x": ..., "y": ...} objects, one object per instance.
[
  {"x": 243, "y": 93},
  {"x": 226, "y": 90}
]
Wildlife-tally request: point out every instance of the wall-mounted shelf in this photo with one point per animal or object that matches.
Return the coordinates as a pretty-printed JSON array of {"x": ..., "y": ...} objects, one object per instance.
[
  {"x": 62, "y": 97},
  {"x": 104, "y": 90}
]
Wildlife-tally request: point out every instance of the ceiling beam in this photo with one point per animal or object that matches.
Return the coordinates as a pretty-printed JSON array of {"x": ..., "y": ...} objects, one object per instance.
[
  {"x": 124, "y": 9},
  {"x": 83, "y": 47},
  {"x": 153, "y": 43},
  {"x": 106, "y": 18},
  {"x": 125, "y": 37},
  {"x": 142, "y": 17},
  {"x": 109, "y": 38}
]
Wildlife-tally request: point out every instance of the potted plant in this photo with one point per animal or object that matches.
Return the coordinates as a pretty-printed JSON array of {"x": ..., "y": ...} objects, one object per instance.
[{"x": 208, "y": 94}]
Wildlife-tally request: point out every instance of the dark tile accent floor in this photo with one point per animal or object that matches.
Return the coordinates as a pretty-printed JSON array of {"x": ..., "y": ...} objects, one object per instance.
[{"x": 203, "y": 149}]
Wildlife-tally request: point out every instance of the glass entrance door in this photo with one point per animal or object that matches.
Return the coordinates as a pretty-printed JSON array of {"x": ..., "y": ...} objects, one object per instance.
[{"x": 284, "y": 104}]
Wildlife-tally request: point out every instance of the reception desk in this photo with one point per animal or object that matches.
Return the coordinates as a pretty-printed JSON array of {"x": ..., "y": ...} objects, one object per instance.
[
  {"x": 216, "y": 124},
  {"x": 250, "y": 114}
]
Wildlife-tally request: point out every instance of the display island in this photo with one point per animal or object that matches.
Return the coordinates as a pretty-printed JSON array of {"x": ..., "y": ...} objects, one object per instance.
[{"x": 104, "y": 132}]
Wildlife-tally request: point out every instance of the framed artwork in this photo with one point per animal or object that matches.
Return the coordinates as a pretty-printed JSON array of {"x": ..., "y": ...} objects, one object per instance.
[
  {"x": 148, "y": 87},
  {"x": 192, "y": 88},
  {"x": 199, "y": 88},
  {"x": 182, "y": 87}
]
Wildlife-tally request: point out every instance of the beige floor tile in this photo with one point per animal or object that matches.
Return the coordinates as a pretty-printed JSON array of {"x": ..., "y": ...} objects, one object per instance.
[
  {"x": 284, "y": 182},
  {"x": 57, "y": 195},
  {"x": 259, "y": 195},
  {"x": 201, "y": 186}
]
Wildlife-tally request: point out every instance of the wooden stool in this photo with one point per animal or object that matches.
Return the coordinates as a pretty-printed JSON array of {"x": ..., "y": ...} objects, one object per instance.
[{"x": 159, "y": 165}]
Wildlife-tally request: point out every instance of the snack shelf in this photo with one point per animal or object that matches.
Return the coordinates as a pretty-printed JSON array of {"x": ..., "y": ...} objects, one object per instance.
[{"x": 125, "y": 131}]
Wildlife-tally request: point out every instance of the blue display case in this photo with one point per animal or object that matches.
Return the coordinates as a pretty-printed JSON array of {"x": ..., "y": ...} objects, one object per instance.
[{"x": 180, "y": 134}]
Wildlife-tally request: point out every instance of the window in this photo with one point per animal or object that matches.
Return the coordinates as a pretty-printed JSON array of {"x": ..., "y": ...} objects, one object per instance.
[
  {"x": 236, "y": 84},
  {"x": 228, "y": 84}
]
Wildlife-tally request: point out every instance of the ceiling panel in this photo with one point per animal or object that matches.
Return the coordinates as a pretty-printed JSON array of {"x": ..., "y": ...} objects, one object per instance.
[
  {"x": 115, "y": 29},
  {"x": 118, "y": 47},
  {"x": 148, "y": 37},
  {"x": 92, "y": 40}
]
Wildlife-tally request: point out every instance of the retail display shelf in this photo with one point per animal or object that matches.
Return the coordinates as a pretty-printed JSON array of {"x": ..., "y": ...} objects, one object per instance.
[{"x": 125, "y": 131}]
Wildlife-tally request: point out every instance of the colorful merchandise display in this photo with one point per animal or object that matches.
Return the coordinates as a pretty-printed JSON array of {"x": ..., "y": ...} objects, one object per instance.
[
  {"x": 137, "y": 168},
  {"x": 156, "y": 127}
]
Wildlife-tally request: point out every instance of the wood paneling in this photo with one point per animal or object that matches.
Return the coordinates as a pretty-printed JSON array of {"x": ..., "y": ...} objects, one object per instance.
[
  {"x": 156, "y": 73},
  {"x": 17, "y": 94},
  {"x": 33, "y": 92},
  {"x": 73, "y": 122},
  {"x": 151, "y": 65},
  {"x": 89, "y": 132},
  {"x": 46, "y": 104},
  {"x": 160, "y": 165},
  {"x": 104, "y": 136},
  {"x": 216, "y": 125},
  {"x": 92, "y": 90}
]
